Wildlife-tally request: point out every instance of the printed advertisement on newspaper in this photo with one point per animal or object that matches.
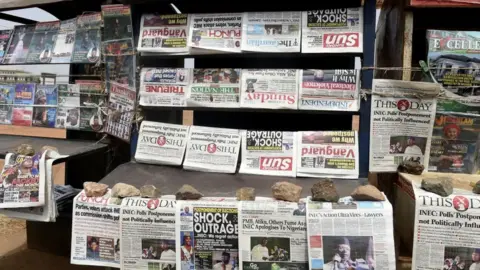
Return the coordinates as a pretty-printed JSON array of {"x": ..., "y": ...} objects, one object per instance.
[
  {"x": 163, "y": 33},
  {"x": 219, "y": 87},
  {"x": 164, "y": 86},
  {"x": 216, "y": 32}
]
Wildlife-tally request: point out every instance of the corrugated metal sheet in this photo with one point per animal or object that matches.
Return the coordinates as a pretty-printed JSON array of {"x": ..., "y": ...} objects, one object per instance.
[{"x": 4, "y": 4}]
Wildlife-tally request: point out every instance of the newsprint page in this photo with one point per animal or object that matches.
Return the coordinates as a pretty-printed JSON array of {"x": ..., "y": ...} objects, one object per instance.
[
  {"x": 402, "y": 120},
  {"x": 164, "y": 87},
  {"x": 350, "y": 235}
]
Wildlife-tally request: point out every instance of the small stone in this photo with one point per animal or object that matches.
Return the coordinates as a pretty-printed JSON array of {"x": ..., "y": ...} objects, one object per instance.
[
  {"x": 122, "y": 190},
  {"x": 441, "y": 185},
  {"x": 367, "y": 193},
  {"x": 411, "y": 167},
  {"x": 51, "y": 148},
  {"x": 149, "y": 191},
  {"x": 286, "y": 191},
  {"x": 325, "y": 191},
  {"x": 25, "y": 149},
  {"x": 93, "y": 189},
  {"x": 115, "y": 201},
  {"x": 246, "y": 194},
  {"x": 187, "y": 192},
  {"x": 476, "y": 188}
]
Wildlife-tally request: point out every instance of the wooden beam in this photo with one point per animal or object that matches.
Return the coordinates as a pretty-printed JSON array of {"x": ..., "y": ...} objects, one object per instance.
[
  {"x": 356, "y": 122},
  {"x": 55, "y": 133},
  {"x": 187, "y": 118},
  {"x": 407, "y": 47}
]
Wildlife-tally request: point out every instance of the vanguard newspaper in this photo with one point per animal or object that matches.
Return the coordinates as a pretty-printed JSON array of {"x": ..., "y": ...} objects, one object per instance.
[
  {"x": 219, "y": 87},
  {"x": 161, "y": 143},
  {"x": 163, "y": 33},
  {"x": 164, "y": 86},
  {"x": 273, "y": 235},
  {"x": 350, "y": 235},
  {"x": 337, "y": 30},
  {"x": 216, "y": 32},
  {"x": 401, "y": 123}
]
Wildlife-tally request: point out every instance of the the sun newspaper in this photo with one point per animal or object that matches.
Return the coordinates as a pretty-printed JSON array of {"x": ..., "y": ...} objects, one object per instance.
[
  {"x": 327, "y": 154},
  {"x": 329, "y": 90},
  {"x": 164, "y": 86},
  {"x": 147, "y": 230},
  {"x": 270, "y": 88},
  {"x": 96, "y": 231},
  {"x": 337, "y": 30},
  {"x": 212, "y": 149},
  {"x": 219, "y": 87},
  {"x": 350, "y": 235},
  {"x": 207, "y": 235},
  {"x": 121, "y": 105},
  {"x": 403, "y": 115},
  {"x": 163, "y": 33},
  {"x": 273, "y": 235},
  {"x": 216, "y": 32},
  {"x": 161, "y": 143},
  {"x": 268, "y": 153},
  {"x": 271, "y": 31}
]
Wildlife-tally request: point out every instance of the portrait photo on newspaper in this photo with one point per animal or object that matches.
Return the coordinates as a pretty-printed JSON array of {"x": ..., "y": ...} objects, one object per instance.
[
  {"x": 102, "y": 248},
  {"x": 458, "y": 258},
  {"x": 158, "y": 249}
]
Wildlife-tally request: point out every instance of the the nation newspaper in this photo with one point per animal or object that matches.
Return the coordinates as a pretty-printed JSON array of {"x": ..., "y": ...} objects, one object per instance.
[
  {"x": 216, "y": 32},
  {"x": 215, "y": 87},
  {"x": 164, "y": 86},
  {"x": 163, "y": 33}
]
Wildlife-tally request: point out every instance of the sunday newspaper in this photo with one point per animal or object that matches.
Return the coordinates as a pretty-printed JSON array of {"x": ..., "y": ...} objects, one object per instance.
[
  {"x": 219, "y": 87},
  {"x": 164, "y": 86},
  {"x": 163, "y": 33},
  {"x": 216, "y": 32},
  {"x": 401, "y": 123}
]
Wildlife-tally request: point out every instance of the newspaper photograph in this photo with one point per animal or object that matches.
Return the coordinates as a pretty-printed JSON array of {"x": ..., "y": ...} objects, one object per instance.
[
  {"x": 270, "y": 88},
  {"x": 161, "y": 143},
  {"x": 327, "y": 154},
  {"x": 121, "y": 110},
  {"x": 273, "y": 235},
  {"x": 215, "y": 87},
  {"x": 329, "y": 90},
  {"x": 350, "y": 235},
  {"x": 148, "y": 234},
  {"x": 338, "y": 30},
  {"x": 401, "y": 123},
  {"x": 212, "y": 149},
  {"x": 216, "y": 32},
  {"x": 164, "y": 86},
  {"x": 268, "y": 153},
  {"x": 207, "y": 235},
  {"x": 163, "y": 33},
  {"x": 95, "y": 231},
  {"x": 271, "y": 31}
]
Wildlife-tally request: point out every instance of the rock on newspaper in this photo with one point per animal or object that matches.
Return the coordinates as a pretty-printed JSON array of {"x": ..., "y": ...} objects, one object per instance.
[
  {"x": 401, "y": 123},
  {"x": 212, "y": 149},
  {"x": 273, "y": 235},
  {"x": 148, "y": 234},
  {"x": 96, "y": 231},
  {"x": 337, "y": 30},
  {"x": 164, "y": 86},
  {"x": 327, "y": 154},
  {"x": 350, "y": 235},
  {"x": 215, "y": 88},
  {"x": 270, "y": 88},
  {"x": 271, "y": 31},
  {"x": 268, "y": 153},
  {"x": 161, "y": 143},
  {"x": 207, "y": 235},
  {"x": 163, "y": 33}
]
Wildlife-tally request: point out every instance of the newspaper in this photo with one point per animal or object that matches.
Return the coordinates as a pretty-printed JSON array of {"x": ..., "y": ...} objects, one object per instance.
[
  {"x": 5, "y": 36},
  {"x": 148, "y": 234},
  {"x": 330, "y": 90},
  {"x": 216, "y": 32},
  {"x": 161, "y": 143},
  {"x": 338, "y": 30},
  {"x": 63, "y": 48},
  {"x": 207, "y": 235},
  {"x": 271, "y": 31},
  {"x": 163, "y": 33},
  {"x": 350, "y": 235},
  {"x": 219, "y": 87},
  {"x": 68, "y": 111},
  {"x": 95, "y": 231},
  {"x": 270, "y": 88},
  {"x": 121, "y": 105},
  {"x": 268, "y": 153},
  {"x": 327, "y": 154},
  {"x": 401, "y": 123},
  {"x": 273, "y": 235},
  {"x": 164, "y": 86}
]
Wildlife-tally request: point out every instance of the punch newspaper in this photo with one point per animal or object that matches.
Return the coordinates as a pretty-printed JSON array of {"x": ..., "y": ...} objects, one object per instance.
[
  {"x": 164, "y": 86},
  {"x": 216, "y": 32}
]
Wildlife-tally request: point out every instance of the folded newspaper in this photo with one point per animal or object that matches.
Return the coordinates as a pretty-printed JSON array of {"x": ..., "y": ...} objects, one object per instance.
[
  {"x": 164, "y": 86},
  {"x": 215, "y": 87},
  {"x": 163, "y": 33}
]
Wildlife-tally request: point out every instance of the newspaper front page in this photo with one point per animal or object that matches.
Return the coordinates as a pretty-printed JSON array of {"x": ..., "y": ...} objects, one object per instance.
[
  {"x": 273, "y": 235},
  {"x": 212, "y": 149},
  {"x": 329, "y": 90},
  {"x": 338, "y": 30},
  {"x": 147, "y": 229},
  {"x": 207, "y": 235},
  {"x": 121, "y": 110},
  {"x": 270, "y": 88},
  {"x": 401, "y": 123},
  {"x": 95, "y": 231},
  {"x": 164, "y": 86},
  {"x": 163, "y": 33},
  {"x": 161, "y": 143},
  {"x": 327, "y": 154},
  {"x": 271, "y": 31},
  {"x": 219, "y": 87},
  {"x": 216, "y": 32},
  {"x": 350, "y": 235},
  {"x": 268, "y": 153}
]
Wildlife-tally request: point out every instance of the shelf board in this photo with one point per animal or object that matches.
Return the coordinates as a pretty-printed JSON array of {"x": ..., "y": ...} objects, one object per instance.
[{"x": 248, "y": 110}]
